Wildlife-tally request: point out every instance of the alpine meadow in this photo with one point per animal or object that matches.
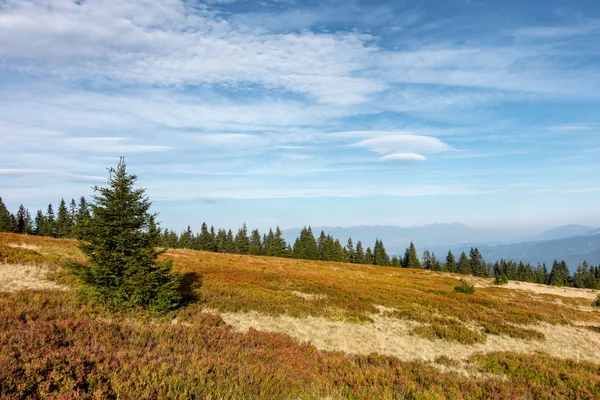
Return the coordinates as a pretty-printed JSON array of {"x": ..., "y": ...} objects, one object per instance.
[{"x": 299, "y": 199}]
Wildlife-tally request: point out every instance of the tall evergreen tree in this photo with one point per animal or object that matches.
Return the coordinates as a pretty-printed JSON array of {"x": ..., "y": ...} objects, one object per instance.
[
  {"x": 369, "y": 256},
  {"x": 222, "y": 246},
  {"x": 350, "y": 252},
  {"x": 305, "y": 246},
  {"x": 477, "y": 264},
  {"x": 230, "y": 242},
  {"x": 464, "y": 266},
  {"x": 450, "y": 264},
  {"x": 380, "y": 256},
  {"x": 186, "y": 239},
  {"x": 411, "y": 260},
  {"x": 396, "y": 262},
  {"x": 359, "y": 257},
  {"x": 242, "y": 243},
  {"x": 559, "y": 275},
  {"x": 436, "y": 265},
  {"x": 50, "y": 221},
  {"x": 24, "y": 222},
  {"x": 427, "y": 260},
  {"x": 5, "y": 220},
  {"x": 63, "y": 221},
  {"x": 120, "y": 242},
  {"x": 540, "y": 275},
  {"x": 256, "y": 246},
  {"x": 281, "y": 248},
  {"x": 82, "y": 216}
]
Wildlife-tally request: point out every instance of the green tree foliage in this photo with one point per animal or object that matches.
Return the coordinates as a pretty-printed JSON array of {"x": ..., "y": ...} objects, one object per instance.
[
  {"x": 380, "y": 256},
  {"x": 120, "y": 241},
  {"x": 477, "y": 265},
  {"x": 186, "y": 239},
  {"x": 256, "y": 245},
  {"x": 305, "y": 247},
  {"x": 450, "y": 264},
  {"x": 242, "y": 242},
  {"x": 64, "y": 221},
  {"x": 359, "y": 256},
  {"x": 426, "y": 260},
  {"x": 411, "y": 260},
  {"x": 50, "y": 227},
  {"x": 559, "y": 275},
  {"x": 585, "y": 277},
  {"x": 540, "y": 275},
  {"x": 83, "y": 215},
  {"x": 465, "y": 287},
  {"x": 24, "y": 222},
  {"x": 369, "y": 256},
  {"x": 396, "y": 262},
  {"x": 463, "y": 266},
  {"x": 350, "y": 252},
  {"x": 436, "y": 265},
  {"x": 5, "y": 218}
]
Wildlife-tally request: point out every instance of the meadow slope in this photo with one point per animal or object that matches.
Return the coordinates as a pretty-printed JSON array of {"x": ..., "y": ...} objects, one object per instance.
[{"x": 261, "y": 327}]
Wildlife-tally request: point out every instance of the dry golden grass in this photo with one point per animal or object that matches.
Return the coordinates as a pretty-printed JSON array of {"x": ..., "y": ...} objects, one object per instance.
[
  {"x": 359, "y": 309},
  {"x": 14, "y": 277}
]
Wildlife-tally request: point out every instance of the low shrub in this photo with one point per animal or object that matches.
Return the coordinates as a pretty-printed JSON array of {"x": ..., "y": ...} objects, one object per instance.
[
  {"x": 500, "y": 280},
  {"x": 465, "y": 287},
  {"x": 596, "y": 302}
]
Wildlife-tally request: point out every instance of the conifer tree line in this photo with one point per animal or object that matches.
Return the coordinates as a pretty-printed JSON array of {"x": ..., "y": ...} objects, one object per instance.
[
  {"x": 61, "y": 223},
  {"x": 65, "y": 222}
]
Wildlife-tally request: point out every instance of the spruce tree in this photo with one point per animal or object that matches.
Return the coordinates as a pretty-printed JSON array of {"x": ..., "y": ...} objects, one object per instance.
[
  {"x": 369, "y": 256},
  {"x": 82, "y": 216},
  {"x": 464, "y": 266},
  {"x": 242, "y": 243},
  {"x": 411, "y": 260},
  {"x": 281, "y": 248},
  {"x": 380, "y": 256},
  {"x": 359, "y": 257},
  {"x": 5, "y": 220},
  {"x": 476, "y": 262},
  {"x": 559, "y": 275},
  {"x": 396, "y": 262},
  {"x": 427, "y": 260},
  {"x": 350, "y": 253},
  {"x": 63, "y": 221},
  {"x": 450, "y": 264},
  {"x": 256, "y": 245},
  {"x": 120, "y": 242},
  {"x": 40, "y": 221},
  {"x": 305, "y": 246},
  {"x": 436, "y": 265},
  {"x": 50, "y": 228},
  {"x": 24, "y": 223}
]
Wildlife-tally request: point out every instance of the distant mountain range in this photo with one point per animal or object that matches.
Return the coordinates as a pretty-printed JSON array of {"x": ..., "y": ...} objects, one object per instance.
[{"x": 572, "y": 243}]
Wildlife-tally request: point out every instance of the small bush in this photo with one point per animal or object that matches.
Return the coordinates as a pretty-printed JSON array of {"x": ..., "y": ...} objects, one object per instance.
[
  {"x": 464, "y": 287},
  {"x": 500, "y": 280},
  {"x": 596, "y": 302}
]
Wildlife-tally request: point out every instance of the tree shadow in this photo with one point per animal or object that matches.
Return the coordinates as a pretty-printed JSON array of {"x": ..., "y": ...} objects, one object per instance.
[{"x": 191, "y": 282}]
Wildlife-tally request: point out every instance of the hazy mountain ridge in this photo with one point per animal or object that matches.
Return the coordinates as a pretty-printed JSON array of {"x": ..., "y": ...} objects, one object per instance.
[{"x": 572, "y": 243}]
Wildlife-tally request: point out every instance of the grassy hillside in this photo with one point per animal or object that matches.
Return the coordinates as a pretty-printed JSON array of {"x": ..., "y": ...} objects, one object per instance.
[{"x": 273, "y": 328}]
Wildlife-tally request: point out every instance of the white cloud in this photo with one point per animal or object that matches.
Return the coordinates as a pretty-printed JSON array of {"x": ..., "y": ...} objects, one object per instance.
[
  {"x": 403, "y": 158},
  {"x": 165, "y": 43},
  {"x": 403, "y": 143}
]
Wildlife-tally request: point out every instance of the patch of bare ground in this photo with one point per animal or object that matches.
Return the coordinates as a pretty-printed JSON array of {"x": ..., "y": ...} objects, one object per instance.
[
  {"x": 309, "y": 296},
  {"x": 391, "y": 336},
  {"x": 14, "y": 277},
  {"x": 538, "y": 288},
  {"x": 23, "y": 246}
]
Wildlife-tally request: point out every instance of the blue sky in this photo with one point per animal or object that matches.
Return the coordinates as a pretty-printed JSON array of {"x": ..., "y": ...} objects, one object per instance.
[{"x": 324, "y": 113}]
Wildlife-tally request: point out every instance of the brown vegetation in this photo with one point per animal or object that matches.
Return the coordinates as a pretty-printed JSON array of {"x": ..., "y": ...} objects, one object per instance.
[{"x": 433, "y": 342}]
